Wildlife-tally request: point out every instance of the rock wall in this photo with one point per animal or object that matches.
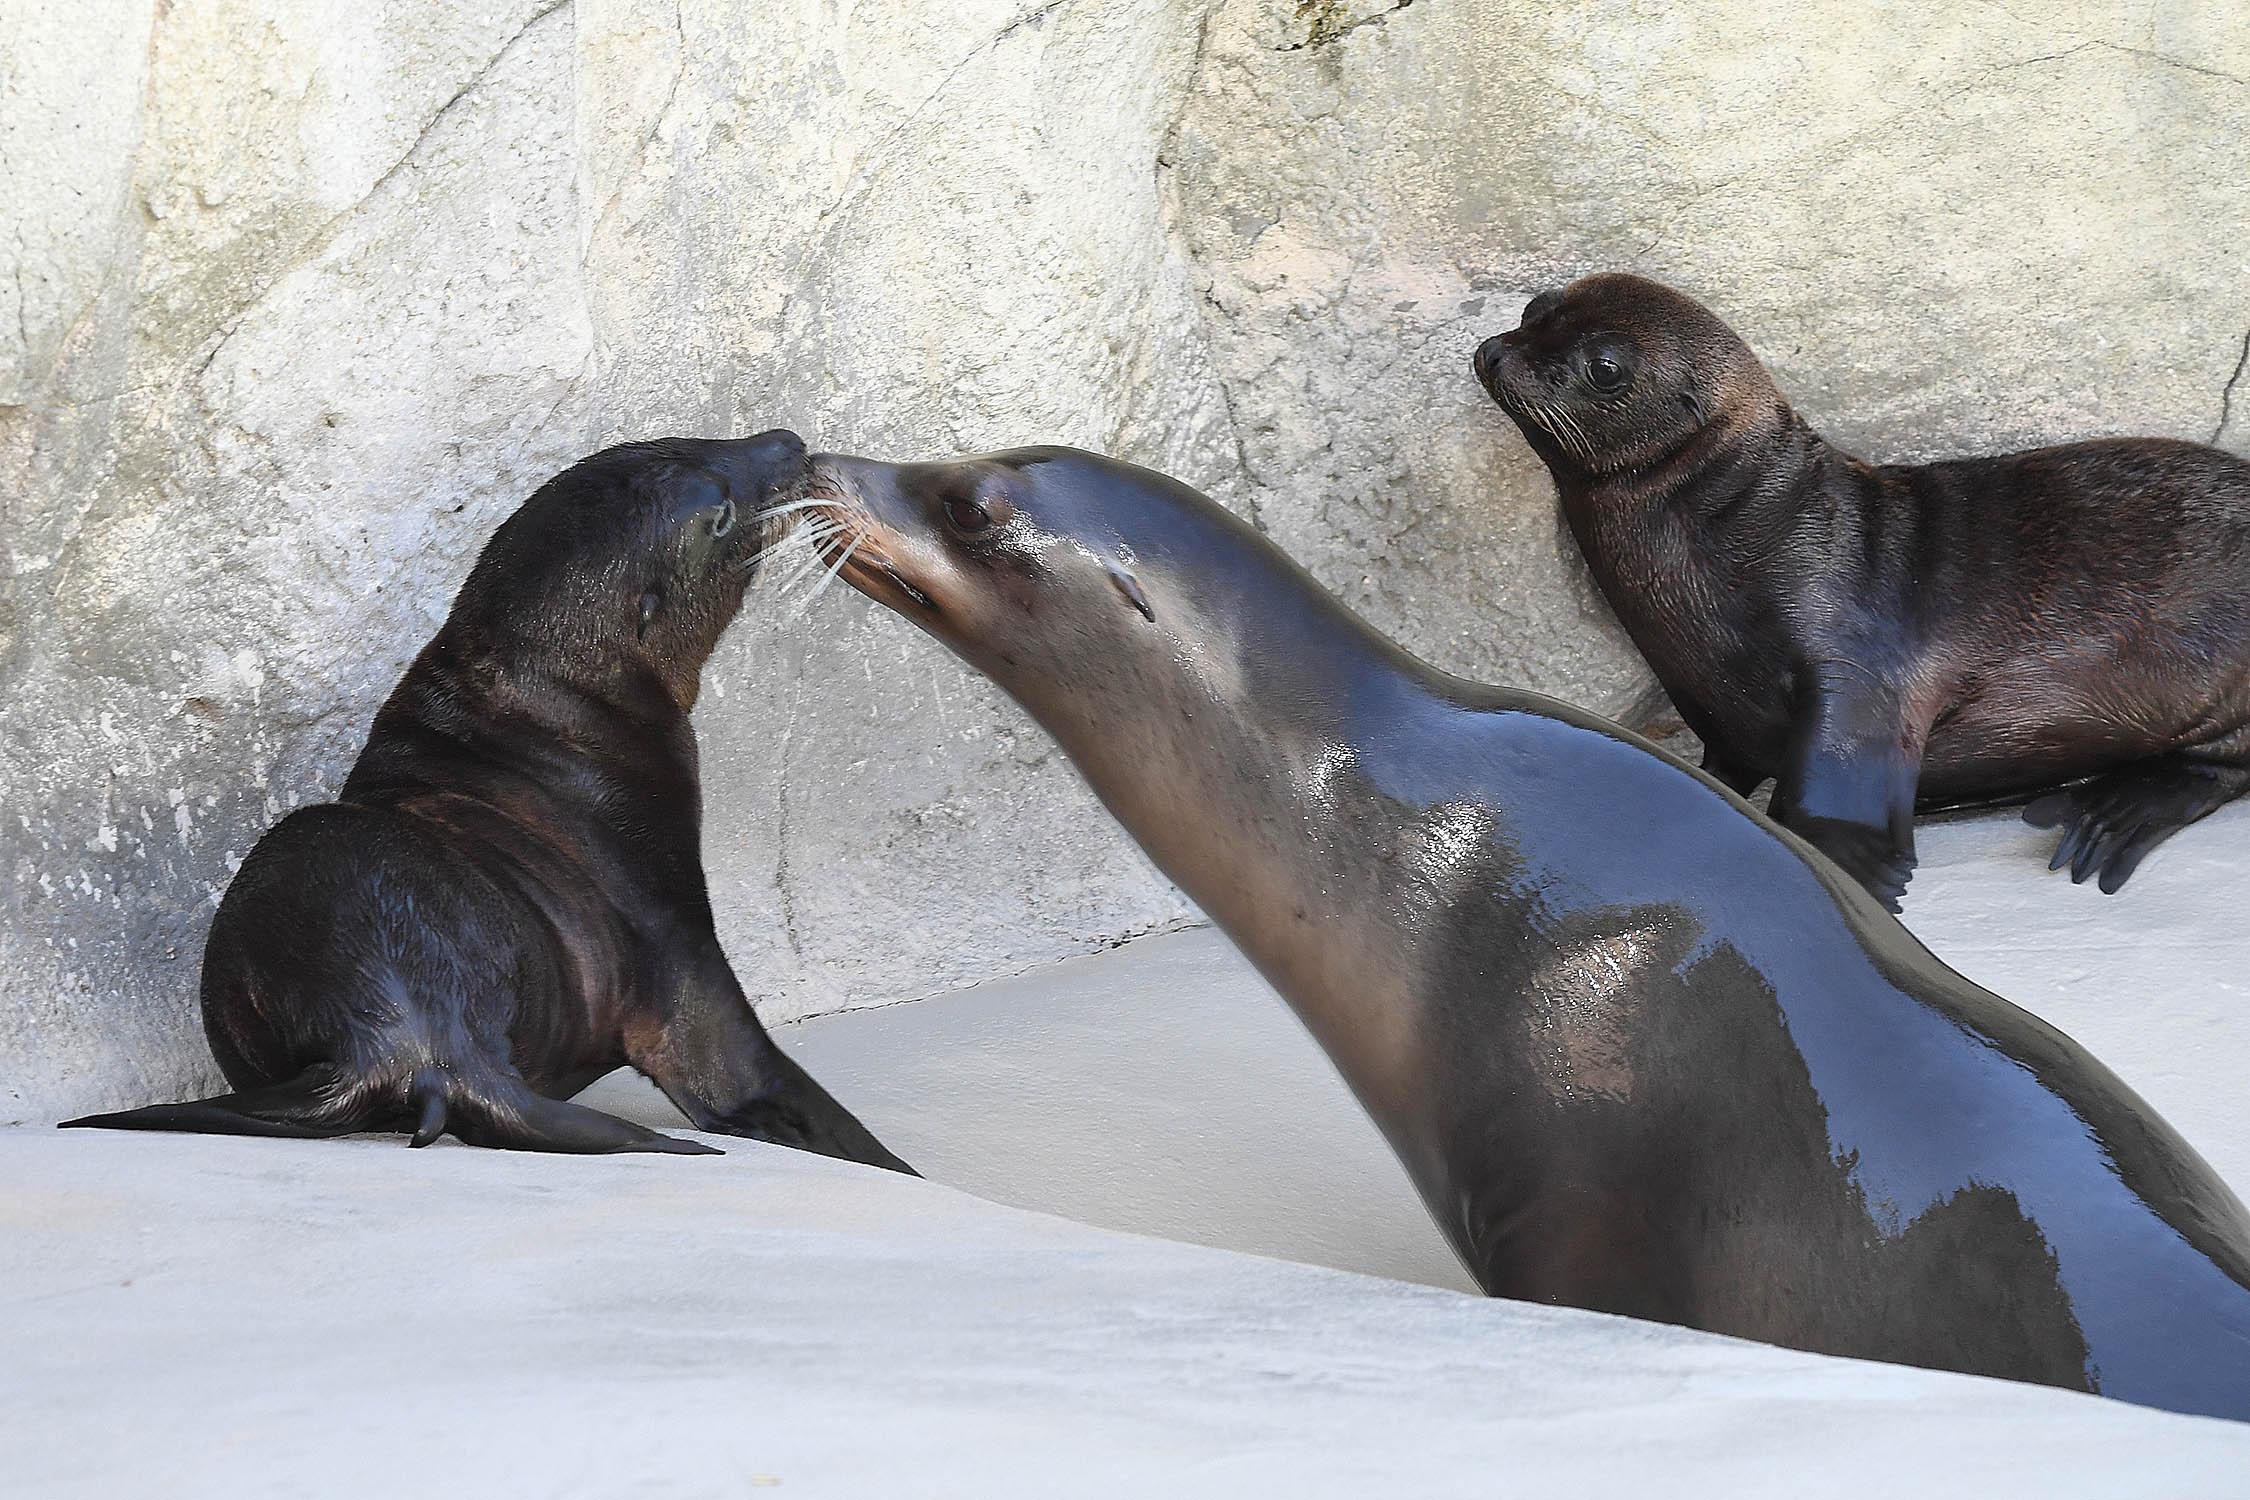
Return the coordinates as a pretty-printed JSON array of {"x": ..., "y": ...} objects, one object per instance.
[{"x": 298, "y": 300}]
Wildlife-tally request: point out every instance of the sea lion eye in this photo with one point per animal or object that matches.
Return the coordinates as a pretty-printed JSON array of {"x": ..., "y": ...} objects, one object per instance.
[
  {"x": 723, "y": 522},
  {"x": 1604, "y": 373},
  {"x": 972, "y": 517}
]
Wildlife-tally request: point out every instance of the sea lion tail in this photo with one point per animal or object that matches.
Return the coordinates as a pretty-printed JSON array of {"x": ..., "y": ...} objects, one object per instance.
[
  {"x": 502, "y": 1110},
  {"x": 300, "y": 1109},
  {"x": 426, "y": 1094}
]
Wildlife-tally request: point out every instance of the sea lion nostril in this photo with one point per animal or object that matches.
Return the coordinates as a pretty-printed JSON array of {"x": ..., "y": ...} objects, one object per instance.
[{"x": 1487, "y": 358}]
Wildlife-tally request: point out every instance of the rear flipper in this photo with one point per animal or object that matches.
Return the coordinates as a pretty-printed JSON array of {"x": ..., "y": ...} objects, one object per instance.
[
  {"x": 298, "y": 1109},
  {"x": 2111, "y": 822},
  {"x": 500, "y": 1111}
]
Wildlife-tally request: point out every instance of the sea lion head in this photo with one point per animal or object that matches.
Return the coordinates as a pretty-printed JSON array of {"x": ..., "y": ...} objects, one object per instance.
[
  {"x": 1068, "y": 578},
  {"x": 633, "y": 558},
  {"x": 1615, "y": 372}
]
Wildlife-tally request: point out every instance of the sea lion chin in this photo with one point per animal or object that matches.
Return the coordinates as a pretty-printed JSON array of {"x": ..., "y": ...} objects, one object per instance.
[{"x": 2068, "y": 627}]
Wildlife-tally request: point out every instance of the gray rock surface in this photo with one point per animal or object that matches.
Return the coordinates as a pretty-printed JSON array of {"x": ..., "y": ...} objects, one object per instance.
[{"x": 297, "y": 301}]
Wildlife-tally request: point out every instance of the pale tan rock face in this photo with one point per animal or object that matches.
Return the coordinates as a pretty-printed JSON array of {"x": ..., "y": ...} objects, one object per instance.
[{"x": 296, "y": 301}]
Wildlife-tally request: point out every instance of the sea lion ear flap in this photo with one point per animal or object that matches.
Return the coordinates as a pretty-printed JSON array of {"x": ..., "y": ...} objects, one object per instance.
[
  {"x": 1130, "y": 587},
  {"x": 696, "y": 490},
  {"x": 651, "y": 602}
]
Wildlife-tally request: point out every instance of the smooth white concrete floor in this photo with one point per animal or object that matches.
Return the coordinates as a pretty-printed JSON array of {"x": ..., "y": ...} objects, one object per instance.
[
  {"x": 199, "y": 1316},
  {"x": 212, "y": 1317}
]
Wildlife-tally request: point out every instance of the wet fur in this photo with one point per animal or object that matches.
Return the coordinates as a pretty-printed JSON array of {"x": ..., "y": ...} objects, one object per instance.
[{"x": 1639, "y": 1049}]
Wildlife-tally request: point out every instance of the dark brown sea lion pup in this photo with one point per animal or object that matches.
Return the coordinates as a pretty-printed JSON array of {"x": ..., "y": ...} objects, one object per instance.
[
  {"x": 1640, "y": 1049},
  {"x": 507, "y": 899},
  {"x": 2072, "y": 621}
]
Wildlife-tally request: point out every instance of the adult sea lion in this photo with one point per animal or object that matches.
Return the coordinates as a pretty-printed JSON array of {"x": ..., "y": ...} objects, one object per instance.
[
  {"x": 2070, "y": 621},
  {"x": 1640, "y": 1048},
  {"x": 507, "y": 899}
]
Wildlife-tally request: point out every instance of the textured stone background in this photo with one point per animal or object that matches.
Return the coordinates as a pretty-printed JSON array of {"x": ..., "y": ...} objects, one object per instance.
[{"x": 297, "y": 300}]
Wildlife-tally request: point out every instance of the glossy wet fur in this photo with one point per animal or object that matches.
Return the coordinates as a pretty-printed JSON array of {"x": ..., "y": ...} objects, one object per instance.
[
  {"x": 507, "y": 899},
  {"x": 1878, "y": 638},
  {"x": 1639, "y": 1049}
]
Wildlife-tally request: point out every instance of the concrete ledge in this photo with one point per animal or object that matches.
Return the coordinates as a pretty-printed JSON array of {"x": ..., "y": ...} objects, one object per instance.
[{"x": 199, "y": 1316}]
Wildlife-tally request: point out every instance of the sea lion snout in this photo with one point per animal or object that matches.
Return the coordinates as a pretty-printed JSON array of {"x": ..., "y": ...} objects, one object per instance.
[
  {"x": 875, "y": 537},
  {"x": 765, "y": 465},
  {"x": 1506, "y": 370},
  {"x": 1487, "y": 362},
  {"x": 1492, "y": 353}
]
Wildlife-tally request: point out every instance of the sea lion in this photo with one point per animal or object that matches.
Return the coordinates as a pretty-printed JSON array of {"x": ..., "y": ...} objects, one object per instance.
[
  {"x": 1639, "y": 1048},
  {"x": 2071, "y": 623},
  {"x": 507, "y": 898}
]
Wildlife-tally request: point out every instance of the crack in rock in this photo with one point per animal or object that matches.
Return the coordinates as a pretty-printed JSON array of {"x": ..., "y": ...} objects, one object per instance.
[
  {"x": 656, "y": 123},
  {"x": 2226, "y": 396},
  {"x": 864, "y": 178},
  {"x": 783, "y": 883},
  {"x": 2145, "y": 54},
  {"x": 1327, "y": 30},
  {"x": 328, "y": 232}
]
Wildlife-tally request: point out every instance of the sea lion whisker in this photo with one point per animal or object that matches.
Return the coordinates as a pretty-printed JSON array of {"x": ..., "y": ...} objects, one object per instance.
[
  {"x": 829, "y": 577},
  {"x": 802, "y": 543},
  {"x": 792, "y": 537},
  {"x": 1583, "y": 448},
  {"x": 811, "y": 563},
  {"x": 811, "y": 502},
  {"x": 819, "y": 559},
  {"x": 1547, "y": 421}
]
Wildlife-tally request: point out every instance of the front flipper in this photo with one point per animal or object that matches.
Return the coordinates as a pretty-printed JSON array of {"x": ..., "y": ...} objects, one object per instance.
[
  {"x": 1848, "y": 789},
  {"x": 1740, "y": 780},
  {"x": 714, "y": 1061}
]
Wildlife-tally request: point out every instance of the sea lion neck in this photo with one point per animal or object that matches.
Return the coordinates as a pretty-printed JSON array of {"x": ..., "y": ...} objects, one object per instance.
[
  {"x": 1707, "y": 506},
  {"x": 1246, "y": 744},
  {"x": 528, "y": 721}
]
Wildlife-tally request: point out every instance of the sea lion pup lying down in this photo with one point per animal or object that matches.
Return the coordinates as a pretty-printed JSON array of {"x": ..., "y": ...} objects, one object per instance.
[
  {"x": 2072, "y": 621},
  {"x": 507, "y": 899},
  {"x": 1639, "y": 1048}
]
